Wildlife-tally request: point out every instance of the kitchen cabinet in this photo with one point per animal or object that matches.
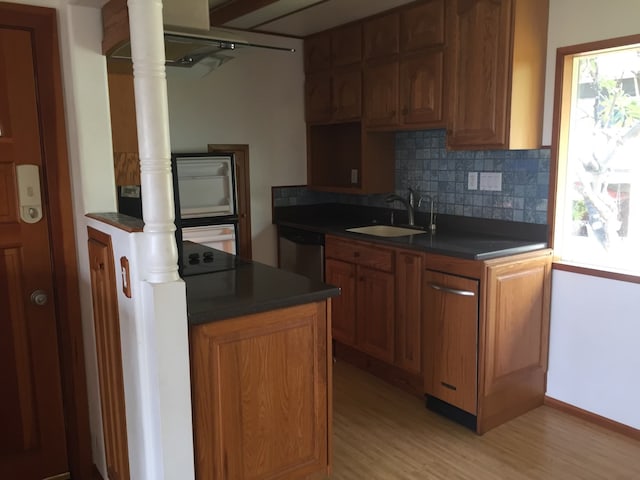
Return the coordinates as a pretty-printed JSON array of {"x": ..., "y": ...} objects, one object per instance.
[
  {"x": 343, "y": 308},
  {"x": 451, "y": 338},
  {"x": 370, "y": 269},
  {"x": 343, "y": 157},
  {"x": 408, "y": 321},
  {"x": 346, "y": 45},
  {"x": 486, "y": 336},
  {"x": 496, "y": 58},
  {"x": 377, "y": 320},
  {"x": 261, "y": 394},
  {"x": 403, "y": 79},
  {"x": 333, "y": 96}
]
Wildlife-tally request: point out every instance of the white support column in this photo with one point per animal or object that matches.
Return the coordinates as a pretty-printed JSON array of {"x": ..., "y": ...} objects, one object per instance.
[{"x": 152, "y": 114}]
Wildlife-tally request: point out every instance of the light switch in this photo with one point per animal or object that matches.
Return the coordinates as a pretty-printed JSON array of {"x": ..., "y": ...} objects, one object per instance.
[
  {"x": 491, "y": 181},
  {"x": 472, "y": 181}
]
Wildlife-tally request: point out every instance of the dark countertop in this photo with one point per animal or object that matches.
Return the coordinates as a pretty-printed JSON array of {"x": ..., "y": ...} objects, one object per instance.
[
  {"x": 461, "y": 237},
  {"x": 250, "y": 287}
]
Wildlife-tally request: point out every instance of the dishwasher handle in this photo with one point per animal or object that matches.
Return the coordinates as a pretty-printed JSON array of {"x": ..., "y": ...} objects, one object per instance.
[{"x": 454, "y": 291}]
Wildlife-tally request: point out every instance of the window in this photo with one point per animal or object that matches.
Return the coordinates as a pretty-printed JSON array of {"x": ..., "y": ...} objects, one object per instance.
[{"x": 597, "y": 149}]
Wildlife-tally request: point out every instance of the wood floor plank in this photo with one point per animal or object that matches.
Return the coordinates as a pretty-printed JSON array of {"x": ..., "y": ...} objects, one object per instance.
[{"x": 382, "y": 433}]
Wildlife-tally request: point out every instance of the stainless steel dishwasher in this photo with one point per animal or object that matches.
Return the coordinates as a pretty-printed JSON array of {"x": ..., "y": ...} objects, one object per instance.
[{"x": 301, "y": 251}]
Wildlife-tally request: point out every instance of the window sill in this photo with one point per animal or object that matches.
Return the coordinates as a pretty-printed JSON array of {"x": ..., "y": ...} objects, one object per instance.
[{"x": 595, "y": 272}]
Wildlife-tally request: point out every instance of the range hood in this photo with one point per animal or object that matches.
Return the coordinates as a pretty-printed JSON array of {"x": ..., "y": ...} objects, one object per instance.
[{"x": 189, "y": 40}]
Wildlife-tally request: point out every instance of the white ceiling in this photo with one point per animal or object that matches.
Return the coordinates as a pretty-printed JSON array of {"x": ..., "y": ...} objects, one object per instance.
[{"x": 300, "y": 18}]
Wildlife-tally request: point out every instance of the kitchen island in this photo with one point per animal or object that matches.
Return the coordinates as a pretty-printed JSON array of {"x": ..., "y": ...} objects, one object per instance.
[{"x": 260, "y": 342}]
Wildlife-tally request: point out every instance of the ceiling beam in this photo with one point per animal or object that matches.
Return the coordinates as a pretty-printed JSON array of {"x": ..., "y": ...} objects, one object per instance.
[{"x": 234, "y": 9}]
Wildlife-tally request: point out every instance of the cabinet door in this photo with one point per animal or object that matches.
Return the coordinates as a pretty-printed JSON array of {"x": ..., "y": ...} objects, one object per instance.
[
  {"x": 375, "y": 307},
  {"x": 479, "y": 39},
  {"x": 451, "y": 339},
  {"x": 408, "y": 320},
  {"x": 347, "y": 94},
  {"x": 317, "y": 53},
  {"x": 346, "y": 45},
  {"x": 381, "y": 36},
  {"x": 343, "y": 308},
  {"x": 381, "y": 94},
  {"x": 516, "y": 333},
  {"x": 260, "y": 390},
  {"x": 318, "y": 97},
  {"x": 422, "y": 26},
  {"x": 421, "y": 86}
]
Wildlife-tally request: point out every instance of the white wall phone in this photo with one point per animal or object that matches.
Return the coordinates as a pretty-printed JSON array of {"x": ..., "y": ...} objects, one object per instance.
[{"x": 29, "y": 193}]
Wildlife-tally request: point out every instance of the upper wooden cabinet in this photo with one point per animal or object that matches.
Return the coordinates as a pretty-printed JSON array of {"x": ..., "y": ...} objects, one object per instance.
[
  {"x": 317, "y": 53},
  {"x": 381, "y": 36},
  {"x": 404, "y": 68},
  {"x": 422, "y": 25},
  {"x": 497, "y": 53},
  {"x": 333, "y": 96},
  {"x": 346, "y": 45}
]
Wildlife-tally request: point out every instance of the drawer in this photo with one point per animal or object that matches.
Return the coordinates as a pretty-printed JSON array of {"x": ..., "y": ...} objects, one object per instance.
[{"x": 359, "y": 253}]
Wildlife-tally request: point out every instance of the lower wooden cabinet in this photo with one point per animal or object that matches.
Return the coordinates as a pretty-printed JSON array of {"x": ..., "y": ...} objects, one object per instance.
[
  {"x": 486, "y": 336},
  {"x": 375, "y": 313},
  {"x": 261, "y": 392},
  {"x": 376, "y": 319},
  {"x": 408, "y": 321}
]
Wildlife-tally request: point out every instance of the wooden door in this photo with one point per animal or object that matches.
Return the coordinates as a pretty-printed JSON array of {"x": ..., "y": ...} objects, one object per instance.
[
  {"x": 375, "y": 306},
  {"x": 343, "y": 308},
  {"x": 408, "y": 320},
  {"x": 381, "y": 94},
  {"x": 421, "y": 88},
  {"x": 479, "y": 34},
  {"x": 451, "y": 339},
  {"x": 33, "y": 443}
]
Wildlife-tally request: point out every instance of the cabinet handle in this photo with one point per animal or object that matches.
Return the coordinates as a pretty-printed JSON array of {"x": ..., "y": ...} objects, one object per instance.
[
  {"x": 454, "y": 291},
  {"x": 449, "y": 386}
]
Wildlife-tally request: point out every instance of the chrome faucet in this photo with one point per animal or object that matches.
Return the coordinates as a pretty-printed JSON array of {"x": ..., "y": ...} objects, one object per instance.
[
  {"x": 407, "y": 202},
  {"x": 432, "y": 215}
]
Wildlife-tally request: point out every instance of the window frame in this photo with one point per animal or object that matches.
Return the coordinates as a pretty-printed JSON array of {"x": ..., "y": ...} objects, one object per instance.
[{"x": 559, "y": 144}]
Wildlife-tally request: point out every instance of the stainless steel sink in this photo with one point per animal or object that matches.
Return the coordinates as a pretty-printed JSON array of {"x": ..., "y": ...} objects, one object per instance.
[{"x": 386, "y": 231}]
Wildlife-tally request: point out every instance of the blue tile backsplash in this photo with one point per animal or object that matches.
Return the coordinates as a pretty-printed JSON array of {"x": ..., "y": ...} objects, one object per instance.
[{"x": 423, "y": 163}]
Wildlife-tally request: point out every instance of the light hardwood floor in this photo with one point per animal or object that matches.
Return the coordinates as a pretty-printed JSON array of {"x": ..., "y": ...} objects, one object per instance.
[{"x": 381, "y": 432}]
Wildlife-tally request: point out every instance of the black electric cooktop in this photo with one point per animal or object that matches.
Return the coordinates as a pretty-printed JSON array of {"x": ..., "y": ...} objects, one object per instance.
[{"x": 199, "y": 259}]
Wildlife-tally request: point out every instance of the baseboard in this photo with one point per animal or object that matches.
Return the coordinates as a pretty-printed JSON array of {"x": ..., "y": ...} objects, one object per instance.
[
  {"x": 593, "y": 418},
  {"x": 96, "y": 473}
]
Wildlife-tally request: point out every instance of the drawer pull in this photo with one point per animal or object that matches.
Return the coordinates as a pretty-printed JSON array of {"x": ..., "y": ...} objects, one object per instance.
[
  {"x": 448, "y": 385},
  {"x": 454, "y": 291}
]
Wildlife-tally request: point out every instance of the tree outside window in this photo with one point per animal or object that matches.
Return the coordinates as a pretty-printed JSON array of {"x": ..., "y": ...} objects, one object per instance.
[{"x": 599, "y": 194}]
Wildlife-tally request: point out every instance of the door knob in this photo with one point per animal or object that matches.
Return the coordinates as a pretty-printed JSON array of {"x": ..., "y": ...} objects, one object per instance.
[{"x": 39, "y": 297}]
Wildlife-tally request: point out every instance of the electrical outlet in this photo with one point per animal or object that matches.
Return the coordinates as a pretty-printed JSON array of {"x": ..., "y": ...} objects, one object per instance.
[
  {"x": 354, "y": 176},
  {"x": 472, "y": 181},
  {"x": 491, "y": 181}
]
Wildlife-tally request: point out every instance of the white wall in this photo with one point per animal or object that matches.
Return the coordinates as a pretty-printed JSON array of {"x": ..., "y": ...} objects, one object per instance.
[
  {"x": 594, "y": 354},
  {"x": 594, "y": 357},
  {"x": 255, "y": 99}
]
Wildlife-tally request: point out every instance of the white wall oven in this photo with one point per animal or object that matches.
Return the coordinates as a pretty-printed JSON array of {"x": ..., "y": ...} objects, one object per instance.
[{"x": 204, "y": 186}]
